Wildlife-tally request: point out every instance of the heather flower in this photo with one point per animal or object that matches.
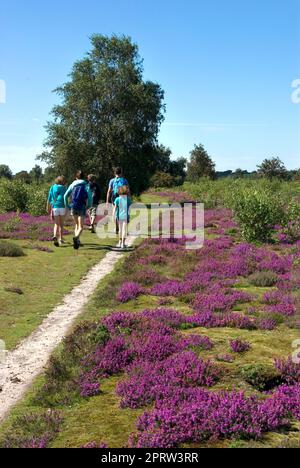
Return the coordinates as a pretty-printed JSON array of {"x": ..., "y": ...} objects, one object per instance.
[
  {"x": 267, "y": 324},
  {"x": 169, "y": 317},
  {"x": 289, "y": 370},
  {"x": 129, "y": 291},
  {"x": 220, "y": 300},
  {"x": 149, "y": 382},
  {"x": 118, "y": 321},
  {"x": 225, "y": 358},
  {"x": 194, "y": 415},
  {"x": 170, "y": 288},
  {"x": 153, "y": 260},
  {"x": 238, "y": 346}
]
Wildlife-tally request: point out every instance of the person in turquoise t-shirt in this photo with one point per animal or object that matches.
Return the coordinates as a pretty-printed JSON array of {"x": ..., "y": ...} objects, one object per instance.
[
  {"x": 56, "y": 205},
  {"x": 79, "y": 198},
  {"x": 113, "y": 189},
  {"x": 121, "y": 213}
]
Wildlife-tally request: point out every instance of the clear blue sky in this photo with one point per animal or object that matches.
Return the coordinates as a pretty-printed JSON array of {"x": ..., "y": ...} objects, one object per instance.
[{"x": 226, "y": 68}]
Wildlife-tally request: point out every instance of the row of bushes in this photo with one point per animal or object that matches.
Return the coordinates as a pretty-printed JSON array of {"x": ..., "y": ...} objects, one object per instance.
[
  {"x": 219, "y": 192},
  {"x": 17, "y": 196},
  {"x": 258, "y": 205}
]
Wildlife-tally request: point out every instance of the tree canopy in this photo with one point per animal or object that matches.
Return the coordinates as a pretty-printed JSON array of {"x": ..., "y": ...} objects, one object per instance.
[
  {"x": 200, "y": 165},
  {"x": 108, "y": 115},
  {"x": 273, "y": 168},
  {"x": 5, "y": 171}
]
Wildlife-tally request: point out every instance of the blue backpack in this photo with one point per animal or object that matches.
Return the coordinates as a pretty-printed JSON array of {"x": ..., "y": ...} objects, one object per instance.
[
  {"x": 118, "y": 182},
  {"x": 79, "y": 197}
]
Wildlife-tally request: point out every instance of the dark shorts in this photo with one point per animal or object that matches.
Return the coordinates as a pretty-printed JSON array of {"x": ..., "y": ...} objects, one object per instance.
[{"x": 79, "y": 213}]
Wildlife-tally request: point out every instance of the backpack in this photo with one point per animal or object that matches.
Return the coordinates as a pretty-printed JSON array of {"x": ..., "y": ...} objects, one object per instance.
[
  {"x": 118, "y": 182},
  {"x": 79, "y": 197}
]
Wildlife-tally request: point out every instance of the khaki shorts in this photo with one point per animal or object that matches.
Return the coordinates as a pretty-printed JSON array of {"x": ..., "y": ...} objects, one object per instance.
[{"x": 93, "y": 210}]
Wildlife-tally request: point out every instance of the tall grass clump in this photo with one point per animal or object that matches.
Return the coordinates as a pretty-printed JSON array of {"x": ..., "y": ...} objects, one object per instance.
[{"x": 8, "y": 249}]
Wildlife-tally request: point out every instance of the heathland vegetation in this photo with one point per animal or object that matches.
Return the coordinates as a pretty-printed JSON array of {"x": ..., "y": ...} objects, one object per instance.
[{"x": 176, "y": 348}]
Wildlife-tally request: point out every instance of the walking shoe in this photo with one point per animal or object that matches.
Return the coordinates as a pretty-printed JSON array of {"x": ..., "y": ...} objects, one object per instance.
[
  {"x": 76, "y": 243},
  {"x": 55, "y": 241}
]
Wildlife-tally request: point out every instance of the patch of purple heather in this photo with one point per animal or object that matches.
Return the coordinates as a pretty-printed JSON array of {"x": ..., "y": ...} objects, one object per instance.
[
  {"x": 195, "y": 415},
  {"x": 129, "y": 291},
  {"x": 238, "y": 346},
  {"x": 289, "y": 370}
]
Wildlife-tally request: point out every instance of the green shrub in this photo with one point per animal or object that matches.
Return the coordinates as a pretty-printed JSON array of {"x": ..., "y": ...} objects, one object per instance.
[
  {"x": 12, "y": 224},
  {"x": 32, "y": 430},
  {"x": 262, "y": 377},
  {"x": 37, "y": 199},
  {"x": 220, "y": 192},
  {"x": 257, "y": 211},
  {"x": 13, "y": 196},
  {"x": 263, "y": 279},
  {"x": 18, "y": 196},
  {"x": 162, "y": 179},
  {"x": 8, "y": 249}
]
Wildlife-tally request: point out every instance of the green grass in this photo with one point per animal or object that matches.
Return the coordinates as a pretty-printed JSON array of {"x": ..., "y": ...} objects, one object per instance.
[{"x": 44, "y": 279}]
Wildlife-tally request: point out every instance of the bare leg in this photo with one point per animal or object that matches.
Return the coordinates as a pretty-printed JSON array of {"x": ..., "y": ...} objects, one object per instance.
[
  {"x": 123, "y": 232},
  {"x": 61, "y": 228},
  {"x": 80, "y": 225},
  {"x": 76, "y": 225},
  {"x": 56, "y": 226},
  {"x": 56, "y": 231}
]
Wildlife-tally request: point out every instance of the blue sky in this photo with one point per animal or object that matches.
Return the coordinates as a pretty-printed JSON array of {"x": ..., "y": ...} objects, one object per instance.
[{"x": 226, "y": 68}]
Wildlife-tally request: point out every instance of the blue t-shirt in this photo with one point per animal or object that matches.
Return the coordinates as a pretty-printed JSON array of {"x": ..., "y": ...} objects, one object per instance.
[
  {"x": 56, "y": 196},
  {"x": 116, "y": 183},
  {"x": 123, "y": 204},
  {"x": 68, "y": 193}
]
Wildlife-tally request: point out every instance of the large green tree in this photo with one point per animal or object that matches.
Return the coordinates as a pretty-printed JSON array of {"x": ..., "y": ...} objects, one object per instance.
[
  {"x": 108, "y": 115},
  {"x": 273, "y": 168},
  {"x": 200, "y": 165},
  {"x": 5, "y": 171},
  {"x": 36, "y": 174}
]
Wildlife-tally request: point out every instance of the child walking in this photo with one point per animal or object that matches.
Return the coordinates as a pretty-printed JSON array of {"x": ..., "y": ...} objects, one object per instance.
[
  {"x": 113, "y": 189},
  {"x": 56, "y": 206},
  {"x": 96, "y": 194},
  {"x": 81, "y": 199},
  {"x": 121, "y": 214}
]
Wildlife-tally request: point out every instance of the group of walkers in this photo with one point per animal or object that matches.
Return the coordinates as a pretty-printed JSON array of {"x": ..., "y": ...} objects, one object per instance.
[{"x": 82, "y": 198}]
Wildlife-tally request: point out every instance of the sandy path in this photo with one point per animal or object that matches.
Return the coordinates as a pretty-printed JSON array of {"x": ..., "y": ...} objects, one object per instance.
[{"x": 28, "y": 360}]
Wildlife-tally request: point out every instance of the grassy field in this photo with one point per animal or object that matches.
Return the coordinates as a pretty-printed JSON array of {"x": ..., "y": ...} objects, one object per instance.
[{"x": 44, "y": 278}]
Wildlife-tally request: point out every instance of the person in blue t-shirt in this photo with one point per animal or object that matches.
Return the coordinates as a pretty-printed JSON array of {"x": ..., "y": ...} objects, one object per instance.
[
  {"x": 113, "y": 188},
  {"x": 121, "y": 213},
  {"x": 78, "y": 198},
  {"x": 56, "y": 206}
]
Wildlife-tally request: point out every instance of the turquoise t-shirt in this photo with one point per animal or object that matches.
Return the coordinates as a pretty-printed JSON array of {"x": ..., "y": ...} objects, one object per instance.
[
  {"x": 56, "y": 196},
  {"x": 123, "y": 204}
]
